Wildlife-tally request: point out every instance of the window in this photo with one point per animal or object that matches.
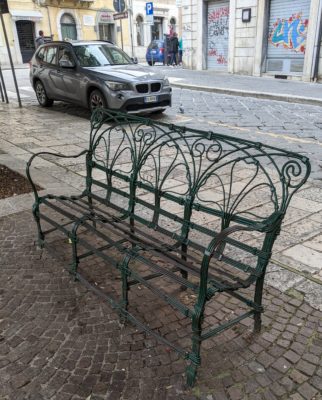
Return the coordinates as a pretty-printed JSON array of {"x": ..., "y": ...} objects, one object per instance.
[
  {"x": 139, "y": 31},
  {"x": 50, "y": 55},
  {"x": 65, "y": 54},
  {"x": 41, "y": 53},
  {"x": 98, "y": 55},
  {"x": 68, "y": 27}
]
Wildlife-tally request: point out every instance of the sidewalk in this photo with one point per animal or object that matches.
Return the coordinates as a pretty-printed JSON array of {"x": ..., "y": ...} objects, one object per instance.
[
  {"x": 60, "y": 342},
  {"x": 249, "y": 86}
]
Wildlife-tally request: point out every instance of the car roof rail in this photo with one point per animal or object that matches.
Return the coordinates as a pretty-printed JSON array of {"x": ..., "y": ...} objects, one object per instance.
[{"x": 106, "y": 41}]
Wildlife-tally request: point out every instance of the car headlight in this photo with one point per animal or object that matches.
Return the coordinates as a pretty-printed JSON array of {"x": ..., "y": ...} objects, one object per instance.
[
  {"x": 117, "y": 85},
  {"x": 166, "y": 82}
]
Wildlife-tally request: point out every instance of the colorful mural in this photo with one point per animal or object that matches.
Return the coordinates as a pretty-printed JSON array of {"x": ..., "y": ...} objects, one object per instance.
[{"x": 290, "y": 33}]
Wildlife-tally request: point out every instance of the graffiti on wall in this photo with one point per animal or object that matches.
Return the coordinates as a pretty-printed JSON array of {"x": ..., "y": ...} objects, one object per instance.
[
  {"x": 290, "y": 33},
  {"x": 218, "y": 29}
]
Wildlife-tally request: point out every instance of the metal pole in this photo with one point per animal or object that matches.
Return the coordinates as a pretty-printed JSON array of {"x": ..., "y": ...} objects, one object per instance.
[
  {"x": 3, "y": 86},
  {"x": 1, "y": 92},
  {"x": 121, "y": 33},
  {"x": 131, "y": 25},
  {"x": 10, "y": 58}
]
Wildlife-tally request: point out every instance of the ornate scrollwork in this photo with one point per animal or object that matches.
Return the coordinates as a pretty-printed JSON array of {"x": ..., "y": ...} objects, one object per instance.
[{"x": 238, "y": 171}]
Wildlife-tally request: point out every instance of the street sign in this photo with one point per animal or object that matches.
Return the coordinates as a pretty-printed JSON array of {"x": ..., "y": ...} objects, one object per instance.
[
  {"x": 149, "y": 8},
  {"x": 119, "y": 5},
  {"x": 121, "y": 15},
  {"x": 4, "y": 7},
  {"x": 150, "y": 19}
]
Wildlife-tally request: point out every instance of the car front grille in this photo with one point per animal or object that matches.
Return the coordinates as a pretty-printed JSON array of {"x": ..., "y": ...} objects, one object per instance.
[
  {"x": 142, "y": 88},
  {"x": 155, "y": 87},
  {"x": 145, "y": 88}
]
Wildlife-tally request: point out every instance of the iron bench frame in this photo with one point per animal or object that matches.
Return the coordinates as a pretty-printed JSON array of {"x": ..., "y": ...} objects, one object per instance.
[{"x": 144, "y": 138}]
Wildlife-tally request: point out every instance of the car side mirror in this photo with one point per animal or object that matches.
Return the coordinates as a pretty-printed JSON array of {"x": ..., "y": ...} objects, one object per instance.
[
  {"x": 134, "y": 59},
  {"x": 66, "y": 64}
]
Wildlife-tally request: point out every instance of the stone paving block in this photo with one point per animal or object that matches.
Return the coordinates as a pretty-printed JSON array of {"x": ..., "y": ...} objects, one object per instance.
[
  {"x": 305, "y": 255},
  {"x": 312, "y": 293},
  {"x": 315, "y": 244},
  {"x": 306, "y": 204},
  {"x": 297, "y": 233},
  {"x": 281, "y": 278}
]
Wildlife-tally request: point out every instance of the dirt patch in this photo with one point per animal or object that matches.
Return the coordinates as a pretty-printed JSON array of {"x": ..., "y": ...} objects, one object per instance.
[{"x": 12, "y": 183}]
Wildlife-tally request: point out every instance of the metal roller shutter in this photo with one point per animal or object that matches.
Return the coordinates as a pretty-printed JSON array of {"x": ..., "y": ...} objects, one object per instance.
[
  {"x": 218, "y": 32},
  {"x": 288, "y": 24}
]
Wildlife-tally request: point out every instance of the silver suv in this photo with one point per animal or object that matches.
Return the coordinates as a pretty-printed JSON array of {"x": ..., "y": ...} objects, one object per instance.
[{"x": 96, "y": 74}]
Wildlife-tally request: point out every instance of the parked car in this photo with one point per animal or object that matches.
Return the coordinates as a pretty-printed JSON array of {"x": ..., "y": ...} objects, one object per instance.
[
  {"x": 156, "y": 52},
  {"x": 96, "y": 74}
]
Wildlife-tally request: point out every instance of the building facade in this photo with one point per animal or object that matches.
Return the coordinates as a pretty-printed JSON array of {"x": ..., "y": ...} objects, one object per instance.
[
  {"x": 165, "y": 21},
  {"x": 254, "y": 37},
  {"x": 83, "y": 20}
]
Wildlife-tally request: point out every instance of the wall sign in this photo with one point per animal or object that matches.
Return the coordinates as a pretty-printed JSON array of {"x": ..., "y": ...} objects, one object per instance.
[
  {"x": 246, "y": 14},
  {"x": 88, "y": 20}
]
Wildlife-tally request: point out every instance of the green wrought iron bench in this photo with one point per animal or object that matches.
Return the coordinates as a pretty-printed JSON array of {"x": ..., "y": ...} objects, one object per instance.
[{"x": 168, "y": 206}]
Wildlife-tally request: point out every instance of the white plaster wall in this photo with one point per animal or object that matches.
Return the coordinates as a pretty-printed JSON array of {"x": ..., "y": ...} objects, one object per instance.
[
  {"x": 245, "y": 38},
  {"x": 189, "y": 32}
]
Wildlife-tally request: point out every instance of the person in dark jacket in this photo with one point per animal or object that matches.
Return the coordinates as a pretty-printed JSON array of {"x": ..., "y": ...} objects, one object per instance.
[{"x": 174, "y": 48}]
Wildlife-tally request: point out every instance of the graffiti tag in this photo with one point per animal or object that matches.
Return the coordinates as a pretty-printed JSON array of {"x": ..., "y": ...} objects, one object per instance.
[
  {"x": 218, "y": 29},
  {"x": 291, "y": 33}
]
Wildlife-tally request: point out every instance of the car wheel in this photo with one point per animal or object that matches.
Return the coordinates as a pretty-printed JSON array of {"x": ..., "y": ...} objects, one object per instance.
[
  {"x": 151, "y": 63},
  {"x": 96, "y": 100},
  {"x": 41, "y": 95}
]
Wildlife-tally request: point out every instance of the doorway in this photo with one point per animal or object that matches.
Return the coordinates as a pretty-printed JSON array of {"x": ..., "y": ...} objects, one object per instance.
[{"x": 26, "y": 37}]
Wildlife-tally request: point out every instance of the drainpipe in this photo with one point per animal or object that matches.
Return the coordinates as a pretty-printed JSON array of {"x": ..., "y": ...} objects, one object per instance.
[
  {"x": 317, "y": 46},
  {"x": 50, "y": 30}
]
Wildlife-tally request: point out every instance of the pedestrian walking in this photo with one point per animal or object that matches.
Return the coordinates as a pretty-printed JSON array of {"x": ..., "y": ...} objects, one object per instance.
[
  {"x": 174, "y": 48},
  {"x": 40, "y": 39}
]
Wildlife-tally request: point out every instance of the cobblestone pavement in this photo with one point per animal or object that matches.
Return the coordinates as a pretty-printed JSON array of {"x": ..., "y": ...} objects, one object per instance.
[{"x": 59, "y": 342}]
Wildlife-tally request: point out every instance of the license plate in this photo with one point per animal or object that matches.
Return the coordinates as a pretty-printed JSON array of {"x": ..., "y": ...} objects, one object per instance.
[
  {"x": 151, "y": 99},
  {"x": 154, "y": 52}
]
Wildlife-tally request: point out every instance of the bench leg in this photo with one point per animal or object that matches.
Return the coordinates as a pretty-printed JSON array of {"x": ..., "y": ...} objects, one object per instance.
[
  {"x": 91, "y": 208},
  {"x": 125, "y": 287},
  {"x": 258, "y": 300},
  {"x": 74, "y": 264},
  {"x": 41, "y": 236},
  {"x": 194, "y": 356},
  {"x": 184, "y": 273}
]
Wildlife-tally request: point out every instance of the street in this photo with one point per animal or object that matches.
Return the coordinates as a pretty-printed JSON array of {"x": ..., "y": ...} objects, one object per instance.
[
  {"x": 60, "y": 341},
  {"x": 297, "y": 127}
]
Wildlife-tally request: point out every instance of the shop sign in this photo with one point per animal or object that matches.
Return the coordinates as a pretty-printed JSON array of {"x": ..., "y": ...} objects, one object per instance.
[{"x": 105, "y": 17}]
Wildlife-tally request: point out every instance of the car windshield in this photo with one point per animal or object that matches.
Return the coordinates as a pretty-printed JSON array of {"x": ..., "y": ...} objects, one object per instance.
[
  {"x": 154, "y": 45},
  {"x": 99, "y": 55}
]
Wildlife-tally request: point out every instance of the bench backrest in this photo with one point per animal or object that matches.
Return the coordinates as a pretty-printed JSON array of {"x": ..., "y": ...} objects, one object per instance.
[{"x": 192, "y": 184}]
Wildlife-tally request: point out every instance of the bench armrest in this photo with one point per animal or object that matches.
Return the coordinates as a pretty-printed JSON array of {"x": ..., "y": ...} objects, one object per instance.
[
  {"x": 46, "y": 153},
  {"x": 215, "y": 245}
]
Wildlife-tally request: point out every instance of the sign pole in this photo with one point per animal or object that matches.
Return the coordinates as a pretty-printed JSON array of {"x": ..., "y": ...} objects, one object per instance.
[
  {"x": 10, "y": 59},
  {"x": 131, "y": 25},
  {"x": 3, "y": 88},
  {"x": 121, "y": 29}
]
